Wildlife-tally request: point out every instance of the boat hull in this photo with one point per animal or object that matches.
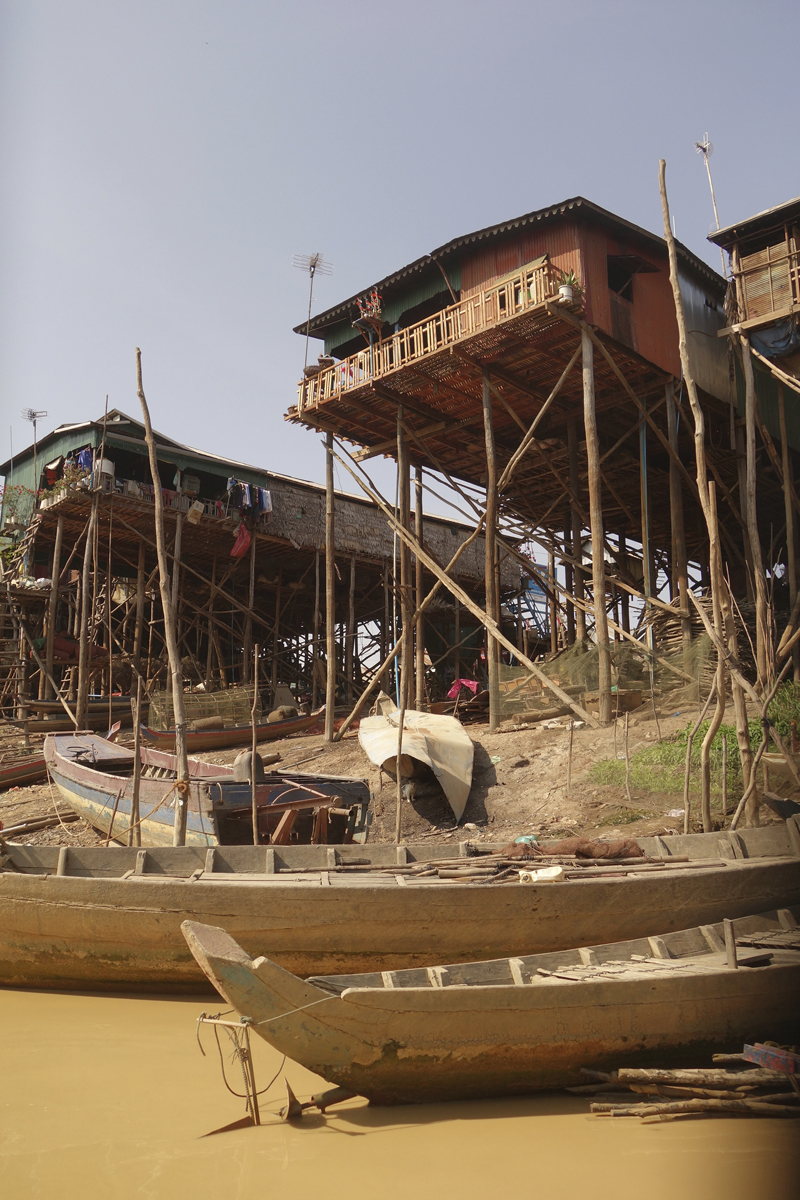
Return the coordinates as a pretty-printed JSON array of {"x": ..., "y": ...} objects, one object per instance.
[
  {"x": 90, "y": 928},
  {"x": 201, "y": 740},
  {"x": 399, "y": 1045}
]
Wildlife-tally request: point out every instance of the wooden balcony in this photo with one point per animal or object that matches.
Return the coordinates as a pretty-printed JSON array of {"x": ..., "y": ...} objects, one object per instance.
[
  {"x": 510, "y": 297},
  {"x": 768, "y": 284}
]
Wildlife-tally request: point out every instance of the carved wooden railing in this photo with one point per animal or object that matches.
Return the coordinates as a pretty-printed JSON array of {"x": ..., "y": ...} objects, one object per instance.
[{"x": 525, "y": 289}]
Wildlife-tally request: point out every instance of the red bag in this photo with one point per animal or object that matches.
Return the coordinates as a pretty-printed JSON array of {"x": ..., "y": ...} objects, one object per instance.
[{"x": 242, "y": 543}]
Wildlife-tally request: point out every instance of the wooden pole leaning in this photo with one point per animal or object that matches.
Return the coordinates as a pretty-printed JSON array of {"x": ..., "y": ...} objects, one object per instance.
[
  {"x": 490, "y": 535},
  {"x": 419, "y": 624},
  {"x": 330, "y": 592},
  {"x": 176, "y": 671},
  {"x": 596, "y": 524},
  {"x": 740, "y": 708},
  {"x": 52, "y": 607}
]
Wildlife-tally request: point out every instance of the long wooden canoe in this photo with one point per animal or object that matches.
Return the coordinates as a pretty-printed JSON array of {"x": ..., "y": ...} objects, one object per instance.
[
  {"x": 518, "y": 1025},
  {"x": 95, "y": 777},
  {"x": 90, "y": 917},
  {"x": 198, "y": 740},
  {"x": 23, "y": 770}
]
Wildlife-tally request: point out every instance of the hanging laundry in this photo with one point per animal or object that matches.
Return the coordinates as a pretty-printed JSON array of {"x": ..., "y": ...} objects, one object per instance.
[
  {"x": 85, "y": 458},
  {"x": 242, "y": 543}
]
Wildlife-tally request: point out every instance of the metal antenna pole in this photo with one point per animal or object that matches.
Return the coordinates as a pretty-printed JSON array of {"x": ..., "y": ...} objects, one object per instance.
[
  {"x": 706, "y": 148},
  {"x": 312, "y": 263}
]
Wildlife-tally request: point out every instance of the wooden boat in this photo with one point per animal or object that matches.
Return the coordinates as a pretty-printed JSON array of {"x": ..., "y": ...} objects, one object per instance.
[
  {"x": 91, "y": 917},
  {"x": 120, "y": 705},
  {"x": 519, "y": 1025},
  {"x": 17, "y": 771},
  {"x": 199, "y": 740},
  {"x": 436, "y": 742},
  {"x": 95, "y": 777}
]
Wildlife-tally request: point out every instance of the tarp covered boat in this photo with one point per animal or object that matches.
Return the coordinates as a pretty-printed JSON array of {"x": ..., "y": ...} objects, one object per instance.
[
  {"x": 90, "y": 917},
  {"x": 519, "y": 1025},
  {"x": 437, "y": 742}
]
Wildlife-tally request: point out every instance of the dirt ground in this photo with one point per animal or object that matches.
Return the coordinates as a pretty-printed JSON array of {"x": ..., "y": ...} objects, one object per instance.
[{"x": 519, "y": 786}]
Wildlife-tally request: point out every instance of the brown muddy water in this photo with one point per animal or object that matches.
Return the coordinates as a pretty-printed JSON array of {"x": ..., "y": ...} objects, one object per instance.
[{"x": 106, "y": 1097}]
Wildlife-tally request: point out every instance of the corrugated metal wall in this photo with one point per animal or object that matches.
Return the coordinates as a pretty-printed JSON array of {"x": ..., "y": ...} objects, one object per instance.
[{"x": 481, "y": 266}]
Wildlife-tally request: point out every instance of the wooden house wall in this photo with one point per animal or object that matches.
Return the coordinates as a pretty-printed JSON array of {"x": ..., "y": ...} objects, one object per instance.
[{"x": 584, "y": 248}]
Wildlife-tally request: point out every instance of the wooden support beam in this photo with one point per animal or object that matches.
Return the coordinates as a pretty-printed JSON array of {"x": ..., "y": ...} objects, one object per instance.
[
  {"x": 406, "y": 601},
  {"x": 598, "y": 535},
  {"x": 330, "y": 591},
  {"x": 276, "y": 632},
  {"x": 577, "y": 552},
  {"x": 52, "y": 607},
  {"x": 82, "y": 704},
  {"x": 762, "y": 602},
  {"x": 138, "y": 629},
  {"x": 490, "y": 534},
  {"x": 350, "y": 647},
  {"x": 419, "y": 630}
]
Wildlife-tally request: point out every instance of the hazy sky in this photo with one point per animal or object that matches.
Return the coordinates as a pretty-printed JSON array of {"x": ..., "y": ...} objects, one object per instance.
[{"x": 162, "y": 162}]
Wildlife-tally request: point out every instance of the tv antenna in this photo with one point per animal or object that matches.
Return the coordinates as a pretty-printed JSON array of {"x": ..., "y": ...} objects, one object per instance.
[
  {"x": 33, "y": 415},
  {"x": 315, "y": 264},
  {"x": 706, "y": 148}
]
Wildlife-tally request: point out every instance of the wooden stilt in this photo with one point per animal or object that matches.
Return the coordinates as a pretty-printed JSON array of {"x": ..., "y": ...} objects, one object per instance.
[
  {"x": 577, "y": 524},
  {"x": 350, "y": 647},
  {"x": 419, "y": 596},
  {"x": 407, "y": 689},
  {"x": 82, "y": 702},
  {"x": 52, "y": 608},
  {"x": 315, "y": 637},
  {"x": 457, "y": 607},
  {"x": 138, "y": 629},
  {"x": 680, "y": 576},
  {"x": 182, "y": 785},
  {"x": 330, "y": 592},
  {"x": 386, "y": 636},
  {"x": 490, "y": 533},
  {"x": 569, "y": 583},
  {"x": 210, "y": 644},
  {"x": 598, "y": 537},
  {"x": 254, "y": 744},
  {"x": 276, "y": 633},
  {"x": 551, "y": 574},
  {"x": 134, "y": 828},
  {"x": 247, "y": 649},
  {"x": 791, "y": 549}
]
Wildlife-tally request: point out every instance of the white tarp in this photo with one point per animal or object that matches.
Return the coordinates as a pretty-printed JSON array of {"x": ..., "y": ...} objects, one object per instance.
[{"x": 439, "y": 742}]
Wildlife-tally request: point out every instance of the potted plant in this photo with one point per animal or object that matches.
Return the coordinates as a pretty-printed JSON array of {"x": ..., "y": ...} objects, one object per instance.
[{"x": 569, "y": 288}]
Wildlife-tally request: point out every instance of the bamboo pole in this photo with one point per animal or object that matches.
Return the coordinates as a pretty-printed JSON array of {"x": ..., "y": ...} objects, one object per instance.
[
  {"x": 330, "y": 591},
  {"x": 740, "y": 708},
  {"x": 457, "y": 606},
  {"x": 210, "y": 639},
  {"x": 254, "y": 747},
  {"x": 420, "y": 619},
  {"x": 791, "y": 549},
  {"x": 52, "y": 608},
  {"x": 577, "y": 524},
  {"x": 490, "y": 535},
  {"x": 719, "y": 712},
  {"x": 551, "y": 571},
  {"x": 248, "y": 621},
  {"x": 724, "y": 775},
  {"x": 596, "y": 520},
  {"x": 181, "y": 756},
  {"x": 138, "y": 629}
]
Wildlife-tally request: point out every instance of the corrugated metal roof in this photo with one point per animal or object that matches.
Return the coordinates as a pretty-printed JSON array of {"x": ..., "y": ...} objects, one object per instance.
[
  {"x": 436, "y": 257},
  {"x": 731, "y": 233}
]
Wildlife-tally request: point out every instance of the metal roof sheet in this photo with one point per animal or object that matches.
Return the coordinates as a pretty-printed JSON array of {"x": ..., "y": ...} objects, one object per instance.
[{"x": 731, "y": 233}]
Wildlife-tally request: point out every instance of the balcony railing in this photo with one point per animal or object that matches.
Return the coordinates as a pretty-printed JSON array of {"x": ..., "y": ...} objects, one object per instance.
[
  {"x": 770, "y": 282},
  {"x": 515, "y": 294}
]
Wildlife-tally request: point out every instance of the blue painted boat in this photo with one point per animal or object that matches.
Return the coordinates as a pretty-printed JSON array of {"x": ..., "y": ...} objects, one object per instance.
[{"x": 95, "y": 777}]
